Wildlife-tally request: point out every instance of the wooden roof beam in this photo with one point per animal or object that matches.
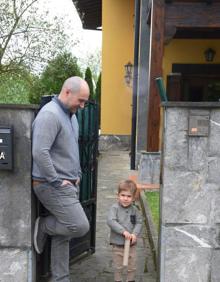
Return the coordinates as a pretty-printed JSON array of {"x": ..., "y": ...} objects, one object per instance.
[{"x": 192, "y": 15}]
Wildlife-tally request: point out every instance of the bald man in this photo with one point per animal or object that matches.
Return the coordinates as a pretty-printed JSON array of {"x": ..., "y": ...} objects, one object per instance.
[{"x": 56, "y": 174}]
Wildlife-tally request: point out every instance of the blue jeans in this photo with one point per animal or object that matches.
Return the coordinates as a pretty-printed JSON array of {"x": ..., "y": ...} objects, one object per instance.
[{"x": 67, "y": 220}]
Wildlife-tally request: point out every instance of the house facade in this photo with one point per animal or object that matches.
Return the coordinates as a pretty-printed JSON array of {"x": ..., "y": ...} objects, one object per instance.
[{"x": 171, "y": 39}]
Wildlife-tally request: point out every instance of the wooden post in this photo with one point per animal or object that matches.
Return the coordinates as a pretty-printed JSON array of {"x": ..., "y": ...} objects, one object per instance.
[
  {"x": 126, "y": 252},
  {"x": 156, "y": 58}
]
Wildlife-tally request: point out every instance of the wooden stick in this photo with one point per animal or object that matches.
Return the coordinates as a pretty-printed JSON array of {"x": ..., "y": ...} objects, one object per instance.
[{"x": 126, "y": 252}]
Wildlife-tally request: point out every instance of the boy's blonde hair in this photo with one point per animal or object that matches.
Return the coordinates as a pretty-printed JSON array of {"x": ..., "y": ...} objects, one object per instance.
[{"x": 127, "y": 185}]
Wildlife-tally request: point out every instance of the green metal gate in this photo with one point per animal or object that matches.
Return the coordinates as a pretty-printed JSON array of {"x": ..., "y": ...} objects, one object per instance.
[{"x": 88, "y": 119}]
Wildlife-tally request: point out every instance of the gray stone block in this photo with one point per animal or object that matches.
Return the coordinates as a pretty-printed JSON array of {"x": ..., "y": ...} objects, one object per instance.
[
  {"x": 197, "y": 153},
  {"x": 17, "y": 260},
  {"x": 214, "y": 136},
  {"x": 190, "y": 236},
  {"x": 187, "y": 265},
  {"x": 213, "y": 170},
  {"x": 114, "y": 142},
  {"x": 149, "y": 168},
  {"x": 215, "y": 263},
  {"x": 176, "y": 139},
  {"x": 15, "y": 265},
  {"x": 186, "y": 198},
  {"x": 15, "y": 186},
  {"x": 217, "y": 210}
]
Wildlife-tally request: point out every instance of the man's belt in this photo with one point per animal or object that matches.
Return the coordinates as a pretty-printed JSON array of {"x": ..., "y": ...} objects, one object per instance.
[
  {"x": 38, "y": 182},
  {"x": 73, "y": 181}
]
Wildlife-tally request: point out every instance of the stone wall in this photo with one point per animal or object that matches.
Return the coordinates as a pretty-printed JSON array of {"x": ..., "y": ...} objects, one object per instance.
[
  {"x": 149, "y": 167},
  {"x": 114, "y": 142},
  {"x": 190, "y": 196},
  {"x": 17, "y": 262}
]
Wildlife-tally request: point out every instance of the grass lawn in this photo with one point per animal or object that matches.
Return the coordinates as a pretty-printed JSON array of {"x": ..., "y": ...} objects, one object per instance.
[{"x": 153, "y": 199}]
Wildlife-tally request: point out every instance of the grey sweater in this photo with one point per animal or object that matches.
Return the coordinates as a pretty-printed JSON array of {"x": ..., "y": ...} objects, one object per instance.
[
  {"x": 119, "y": 220},
  {"x": 55, "y": 144}
]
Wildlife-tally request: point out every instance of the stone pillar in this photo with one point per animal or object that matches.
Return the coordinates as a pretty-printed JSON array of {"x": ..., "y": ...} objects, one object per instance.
[
  {"x": 142, "y": 83},
  {"x": 17, "y": 260},
  {"x": 190, "y": 195},
  {"x": 149, "y": 167}
]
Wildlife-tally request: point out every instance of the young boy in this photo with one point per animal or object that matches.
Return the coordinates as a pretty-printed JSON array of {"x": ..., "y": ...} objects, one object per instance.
[{"x": 125, "y": 222}]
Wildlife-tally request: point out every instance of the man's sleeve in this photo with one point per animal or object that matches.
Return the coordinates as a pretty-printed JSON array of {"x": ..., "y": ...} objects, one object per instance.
[
  {"x": 75, "y": 124},
  {"x": 45, "y": 130}
]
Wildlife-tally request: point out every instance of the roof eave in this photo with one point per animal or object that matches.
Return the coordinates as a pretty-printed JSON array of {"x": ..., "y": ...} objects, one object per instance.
[{"x": 90, "y": 13}]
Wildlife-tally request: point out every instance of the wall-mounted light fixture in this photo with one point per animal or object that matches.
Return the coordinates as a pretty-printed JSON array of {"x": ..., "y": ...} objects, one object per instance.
[
  {"x": 209, "y": 55},
  {"x": 128, "y": 74}
]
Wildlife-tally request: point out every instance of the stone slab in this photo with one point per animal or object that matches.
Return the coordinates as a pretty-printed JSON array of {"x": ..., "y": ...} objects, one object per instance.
[
  {"x": 186, "y": 265},
  {"x": 215, "y": 273},
  {"x": 190, "y": 236},
  {"x": 149, "y": 168},
  {"x": 15, "y": 265},
  {"x": 15, "y": 186}
]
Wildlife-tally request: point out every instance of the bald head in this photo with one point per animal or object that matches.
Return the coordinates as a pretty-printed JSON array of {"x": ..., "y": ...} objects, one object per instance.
[
  {"x": 74, "y": 93},
  {"x": 74, "y": 84}
]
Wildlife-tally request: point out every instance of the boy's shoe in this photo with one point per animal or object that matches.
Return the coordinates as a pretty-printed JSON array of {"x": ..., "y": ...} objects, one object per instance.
[{"x": 40, "y": 237}]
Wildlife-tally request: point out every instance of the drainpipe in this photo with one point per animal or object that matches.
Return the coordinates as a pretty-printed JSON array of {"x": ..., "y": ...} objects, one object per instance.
[{"x": 135, "y": 80}]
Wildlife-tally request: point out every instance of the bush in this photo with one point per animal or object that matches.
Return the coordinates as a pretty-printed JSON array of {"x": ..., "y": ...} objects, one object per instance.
[
  {"x": 53, "y": 77},
  {"x": 88, "y": 79},
  {"x": 98, "y": 90},
  {"x": 15, "y": 88}
]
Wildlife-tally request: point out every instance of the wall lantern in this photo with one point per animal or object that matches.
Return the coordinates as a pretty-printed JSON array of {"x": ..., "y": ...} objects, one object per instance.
[
  {"x": 209, "y": 55},
  {"x": 128, "y": 74}
]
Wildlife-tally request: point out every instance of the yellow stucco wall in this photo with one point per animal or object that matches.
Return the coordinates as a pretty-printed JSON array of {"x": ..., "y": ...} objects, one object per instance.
[
  {"x": 188, "y": 51},
  {"x": 117, "y": 50}
]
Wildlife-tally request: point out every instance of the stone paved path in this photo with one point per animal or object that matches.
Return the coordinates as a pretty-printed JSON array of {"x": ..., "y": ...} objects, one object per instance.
[{"x": 113, "y": 167}]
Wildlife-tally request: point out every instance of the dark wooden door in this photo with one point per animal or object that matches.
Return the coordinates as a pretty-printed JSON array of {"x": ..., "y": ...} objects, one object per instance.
[{"x": 194, "y": 83}]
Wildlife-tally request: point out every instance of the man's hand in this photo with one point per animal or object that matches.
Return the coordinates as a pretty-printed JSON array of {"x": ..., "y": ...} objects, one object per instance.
[
  {"x": 78, "y": 181},
  {"x": 66, "y": 182}
]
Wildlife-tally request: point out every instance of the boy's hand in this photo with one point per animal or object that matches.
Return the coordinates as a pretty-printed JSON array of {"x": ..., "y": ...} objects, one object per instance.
[
  {"x": 133, "y": 238},
  {"x": 127, "y": 235}
]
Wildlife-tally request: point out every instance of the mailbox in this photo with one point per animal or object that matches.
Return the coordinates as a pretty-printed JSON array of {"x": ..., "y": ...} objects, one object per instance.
[
  {"x": 6, "y": 148},
  {"x": 199, "y": 125}
]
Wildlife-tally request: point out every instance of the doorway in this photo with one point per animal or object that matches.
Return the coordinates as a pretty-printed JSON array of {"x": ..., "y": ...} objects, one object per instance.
[{"x": 194, "y": 83}]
